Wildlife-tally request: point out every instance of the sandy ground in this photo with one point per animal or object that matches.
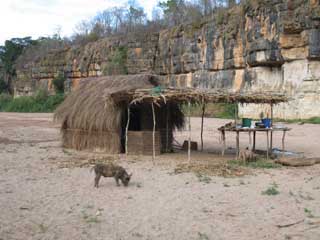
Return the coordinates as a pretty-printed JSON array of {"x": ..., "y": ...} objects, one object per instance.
[{"x": 41, "y": 200}]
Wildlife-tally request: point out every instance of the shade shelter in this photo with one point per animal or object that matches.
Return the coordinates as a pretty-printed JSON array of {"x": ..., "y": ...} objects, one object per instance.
[
  {"x": 202, "y": 96},
  {"x": 126, "y": 113}
]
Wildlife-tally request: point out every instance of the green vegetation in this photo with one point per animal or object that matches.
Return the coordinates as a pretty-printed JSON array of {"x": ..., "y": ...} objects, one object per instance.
[
  {"x": 58, "y": 83},
  {"x": 9, "y": 53},
  {"x": 218, "y": 110},
  {"x": 308, "y": 212},
  {"x": 3, "y": 85},
  {"x": 118, "y": 62},
  {"x": 40, "y": 102},
  {"x": 272, "y": 190},
  {"x": 203, "y": 178},
  {"x": 313, "y": 120},
  {"x": 202, "y": 236},
  {"x": 260, "y": 163},
  {"x": 5, "y": 99}
]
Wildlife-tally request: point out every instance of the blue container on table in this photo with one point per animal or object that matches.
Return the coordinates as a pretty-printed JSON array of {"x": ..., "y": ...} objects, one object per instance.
[{"x": 266, "y": 122}]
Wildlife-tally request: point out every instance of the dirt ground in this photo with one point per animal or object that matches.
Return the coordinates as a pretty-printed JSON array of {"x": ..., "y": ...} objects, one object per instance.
[{"x": 44, "y": 196}]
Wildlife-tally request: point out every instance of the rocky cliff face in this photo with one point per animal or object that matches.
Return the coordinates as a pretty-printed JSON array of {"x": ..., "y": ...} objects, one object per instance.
[{"x": 264, "y": 45}]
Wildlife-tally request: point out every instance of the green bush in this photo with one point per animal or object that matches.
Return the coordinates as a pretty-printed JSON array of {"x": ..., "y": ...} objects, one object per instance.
[
  {"x": 58, "y": 83},
  {"x": 217, "y": 110},
  {"x": 3, "y": 86},
  {"x": 118, "y": 62},
  {"x": 37, "y": 103},
  {"x": 4, "y": 100}
]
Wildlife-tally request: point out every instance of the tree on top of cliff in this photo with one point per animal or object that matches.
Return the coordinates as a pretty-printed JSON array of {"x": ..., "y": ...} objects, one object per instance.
[{"x": 9, "y": 53}]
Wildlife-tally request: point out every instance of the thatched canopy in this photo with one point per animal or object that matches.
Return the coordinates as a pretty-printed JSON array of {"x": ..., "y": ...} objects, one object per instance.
[{"x": 198, "y": 95}]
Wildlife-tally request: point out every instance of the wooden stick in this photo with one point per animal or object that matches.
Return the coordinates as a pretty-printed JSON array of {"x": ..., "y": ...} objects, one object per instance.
[
  {"x": 167, "y": 128},
  {"x": 202, "y": 117},
  {"x": 153, "y": 134},
  {"x": 254, "y": 141},
  {"x": 283, "y": 137},
  {"x": 189, "y": 138},
  {"x": 127, "y": 128},
  {"x": 267, "y": 144},
  {"x": 250, "y": 145},
  {"x": 290, "y": 224},
  {"x": 238, "y": 145},
  {"x": 235, "y": 114},
  {"x": 271, "y": 139},
  {"x": 223, "y": 135}
]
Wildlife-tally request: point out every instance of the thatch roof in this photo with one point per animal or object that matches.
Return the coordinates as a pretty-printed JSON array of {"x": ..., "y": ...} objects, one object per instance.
[
  {"x": 91, "y": 107},
  {"x": 158, "y": 95},
  {"x": 94, "y": 106}
]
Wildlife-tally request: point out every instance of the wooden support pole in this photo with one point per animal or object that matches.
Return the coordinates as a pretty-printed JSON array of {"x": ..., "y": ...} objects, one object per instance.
[
  {"x": 127, "y": 128},
  {"x": 167, "y": 127},
  {"x": 202, "y": 118},
  {"x": 235, "y": 114},
  {"x": 153, "y": 134},
  {"x": 238, "y": 145},
  {"x": 254, "y": 141},
  {"x": 271, "y": 137},
  {"x": 250, "y": 145},
  {"x": 189, "y": 138},
  {"x": 267, "y": 144},
  {"x": 283, "y": 137},
  {"x": 223, "y": 135}
]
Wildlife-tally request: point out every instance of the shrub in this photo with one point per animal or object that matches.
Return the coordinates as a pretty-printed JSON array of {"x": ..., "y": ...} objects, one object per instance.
[
  {"x": 272, "y": 190},
  {"x": 40, "y": 102},
  {"x": 118, "y": 62},
  {"x": 58, "y": 83},
  {"x": 3, "y": 86},
  {"x": 217, "y": 110},
  {"x": 41, "y": 95},
  {"x": 4, "y": 100}
]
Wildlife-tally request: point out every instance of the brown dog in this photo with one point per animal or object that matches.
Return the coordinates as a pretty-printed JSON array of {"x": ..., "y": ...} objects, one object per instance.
[
  {"x": 111, "y": 170},
  {"x": 247, "y": 156}
]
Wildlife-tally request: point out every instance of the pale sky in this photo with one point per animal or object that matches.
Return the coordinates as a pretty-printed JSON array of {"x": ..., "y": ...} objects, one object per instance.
[{"x": 21, "y": 18}]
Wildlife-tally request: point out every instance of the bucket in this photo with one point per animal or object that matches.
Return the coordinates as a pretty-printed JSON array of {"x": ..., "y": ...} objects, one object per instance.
[
  {"x": 246, "y": 122},
  {"x": 266, "y": 122}
]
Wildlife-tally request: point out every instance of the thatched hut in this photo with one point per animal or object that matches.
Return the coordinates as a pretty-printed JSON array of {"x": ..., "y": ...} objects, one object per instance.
[{"x": 92, "y": 119}]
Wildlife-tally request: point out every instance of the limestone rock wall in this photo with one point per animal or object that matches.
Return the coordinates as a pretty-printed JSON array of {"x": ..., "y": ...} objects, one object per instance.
[{"x": 262, "y": 46}]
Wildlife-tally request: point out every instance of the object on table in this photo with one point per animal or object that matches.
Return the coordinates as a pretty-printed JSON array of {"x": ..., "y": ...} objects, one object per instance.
[
  {"x": 266, "y": 122},
  {"x": 246, "y": 122},
  {"x": 259, "y": 125}
]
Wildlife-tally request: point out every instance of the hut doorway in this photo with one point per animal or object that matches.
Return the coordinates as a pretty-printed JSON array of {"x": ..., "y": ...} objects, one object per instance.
[{"x": 134, "y": 123}]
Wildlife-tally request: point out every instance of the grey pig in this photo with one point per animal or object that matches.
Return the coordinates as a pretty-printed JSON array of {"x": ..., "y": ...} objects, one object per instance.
[{"x": 111, "y": 170}]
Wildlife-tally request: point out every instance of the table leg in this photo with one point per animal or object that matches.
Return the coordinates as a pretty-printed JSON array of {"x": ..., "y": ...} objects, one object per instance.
[
  {"x": 238, "y": 145},
  {"x": 223, "y": 135},
  {"x": 254, "y": 141},
  {"x": 250, "y": 145},
  {"x": 271, "y": 140},
  {"x": 283, "y": 137},
  {"x": 267, "y": 145}
]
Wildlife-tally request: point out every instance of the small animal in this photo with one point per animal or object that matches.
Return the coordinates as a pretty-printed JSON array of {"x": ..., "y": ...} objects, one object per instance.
[
  {"x": 247, "y": 155},
  {"x": 111, "y": 170}
]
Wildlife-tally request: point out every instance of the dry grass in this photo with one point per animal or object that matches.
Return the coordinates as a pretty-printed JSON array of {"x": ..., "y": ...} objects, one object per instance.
[
  {"x": 217, "y": 169},
  {"x": 84, "y": 162}
]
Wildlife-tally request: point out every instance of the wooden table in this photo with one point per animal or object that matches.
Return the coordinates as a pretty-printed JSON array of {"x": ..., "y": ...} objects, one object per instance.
[{"x": 268, "y": 131}]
